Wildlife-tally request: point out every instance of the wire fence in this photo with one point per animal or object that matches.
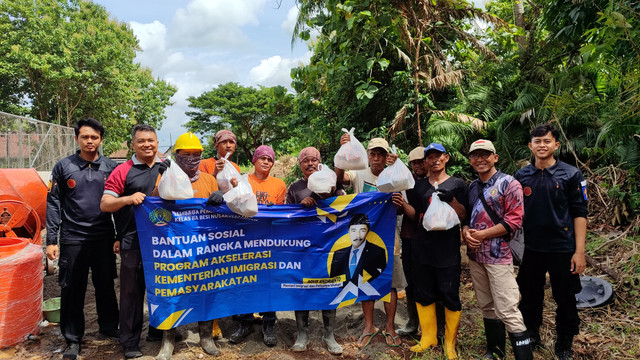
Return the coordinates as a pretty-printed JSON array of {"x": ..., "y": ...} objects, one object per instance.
[{"x": 29, "y": 143}]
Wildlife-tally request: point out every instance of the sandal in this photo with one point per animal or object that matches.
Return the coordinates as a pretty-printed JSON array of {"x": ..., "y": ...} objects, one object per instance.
[
  {"x": 391, "y": 343},
  {"x": 370, "y": 335}
]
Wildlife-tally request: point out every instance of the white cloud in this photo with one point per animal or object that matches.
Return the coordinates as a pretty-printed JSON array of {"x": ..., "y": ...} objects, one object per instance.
[
  {"x": 214, "y": 22},
  {"x": 290, "y": 22},
  {"x": 276, "y": 70},
  {"x": 210, "y": 42},
  {"x": 150, "y": 36}
]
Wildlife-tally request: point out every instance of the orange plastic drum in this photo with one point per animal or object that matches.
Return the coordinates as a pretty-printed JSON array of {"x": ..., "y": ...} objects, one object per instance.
[
  {"x": 23, "y": 204},
  {"x": 20, "y": 290}
]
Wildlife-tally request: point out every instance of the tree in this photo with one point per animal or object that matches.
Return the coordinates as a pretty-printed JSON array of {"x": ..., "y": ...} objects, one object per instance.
[
  {"x": 256, "y": 116},
  {"x": 67, "y": 60}
]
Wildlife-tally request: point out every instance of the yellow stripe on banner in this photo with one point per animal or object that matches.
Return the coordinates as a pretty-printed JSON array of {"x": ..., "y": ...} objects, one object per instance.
[
  {"x": 387, "y": 298},
  {"x": 365, "y": 276},
  {"x": 347, "y": 303},
  {"x": 331, "y": 217},
  {"x": 342, "y": 202},
  {"x": 170, "y": 320}
]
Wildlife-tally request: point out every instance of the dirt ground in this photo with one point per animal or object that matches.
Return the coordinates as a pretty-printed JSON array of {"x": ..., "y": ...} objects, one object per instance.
[{"x": 610, "y": 332}]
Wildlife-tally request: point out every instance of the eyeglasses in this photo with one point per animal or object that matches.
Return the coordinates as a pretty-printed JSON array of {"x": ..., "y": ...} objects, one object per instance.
[{"x": 480, "y": 155}]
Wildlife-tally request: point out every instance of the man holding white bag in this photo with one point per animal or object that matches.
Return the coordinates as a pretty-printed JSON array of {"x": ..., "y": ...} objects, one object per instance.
[
  {"x": 187, "y": 156},
  {"x": 298, "y": 193},
  {"x": 436, "y": 253},
  {"x": 366, "y": 181}
]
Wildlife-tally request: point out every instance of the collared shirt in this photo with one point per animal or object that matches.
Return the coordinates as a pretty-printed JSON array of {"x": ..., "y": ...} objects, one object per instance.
[
  {"x": 127, "y": 179},
  {"x": 73, "y": 201},
  {"x": 503, "y": 194},
  {"x": 553, "y": 197}
]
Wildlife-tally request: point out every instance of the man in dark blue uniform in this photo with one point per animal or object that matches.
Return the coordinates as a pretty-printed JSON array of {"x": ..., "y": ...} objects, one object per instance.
[
  {"x": 555, "y": 230},
  {"x": 86, "y": 236}
]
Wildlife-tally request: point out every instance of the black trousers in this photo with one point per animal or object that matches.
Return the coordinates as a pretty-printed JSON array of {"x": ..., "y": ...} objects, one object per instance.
[
  {"x": 564, "y": 285},
  {"x": 406, "y": 265},
  {"x": 433, "y": 284},
  {"x": 74, "y": 263},
  {"x": 132, "y": 293}
]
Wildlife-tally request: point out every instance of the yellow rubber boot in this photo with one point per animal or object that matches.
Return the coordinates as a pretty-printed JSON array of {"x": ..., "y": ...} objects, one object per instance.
[
  {"x": 429, "y": 326},
  {"x": 452, "y": 324},
  {"x": 216, "y": 333}
]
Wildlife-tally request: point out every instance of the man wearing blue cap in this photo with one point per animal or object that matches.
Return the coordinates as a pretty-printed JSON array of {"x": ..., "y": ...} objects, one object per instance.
[{"x": 436, "y": 254}]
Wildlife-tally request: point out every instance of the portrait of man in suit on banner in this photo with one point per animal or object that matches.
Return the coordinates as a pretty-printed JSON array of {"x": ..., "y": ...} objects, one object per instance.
[{"x": 360, "y": 263}]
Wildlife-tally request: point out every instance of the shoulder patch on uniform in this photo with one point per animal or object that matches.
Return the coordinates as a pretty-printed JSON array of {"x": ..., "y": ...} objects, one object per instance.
[
  {"x": 583, "y": 188},
  {"x": 71, "y": 183},
  {"x": 526, "y": 191}
]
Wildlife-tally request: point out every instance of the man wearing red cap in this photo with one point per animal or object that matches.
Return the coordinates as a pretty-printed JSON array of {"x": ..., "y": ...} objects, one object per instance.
[{"x": 224, "y": 142}]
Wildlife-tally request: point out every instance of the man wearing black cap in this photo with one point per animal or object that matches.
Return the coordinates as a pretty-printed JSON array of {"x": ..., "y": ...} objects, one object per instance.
[{"x": 436, "y": 254}]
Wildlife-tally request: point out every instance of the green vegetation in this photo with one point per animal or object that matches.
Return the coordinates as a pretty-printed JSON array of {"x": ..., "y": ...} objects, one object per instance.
[{"x": 65, "y": 60}]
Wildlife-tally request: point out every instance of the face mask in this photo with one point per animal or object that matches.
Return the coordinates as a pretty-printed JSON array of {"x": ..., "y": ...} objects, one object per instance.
[{"x": 189, "y": 164}]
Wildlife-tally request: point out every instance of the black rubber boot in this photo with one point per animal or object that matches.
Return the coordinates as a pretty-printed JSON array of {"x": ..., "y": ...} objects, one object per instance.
[
  {"x": 329, "y": 320},
  {"x": 168, "y": 343},
  {"x": 496, "y": 339},
  {"x": 302, "y": 323},
  {"x": 205, "y": 329},
  {"x": 534, "y": 338},
  {"x": 563, "y": 346},
  {"x": 411, "y": 327},
  {"x": 269, "y": 333},
  {"x": 521, "y": 345},
  {"x": 154, "y": 334},
  {"x": 243, "y": 331}
]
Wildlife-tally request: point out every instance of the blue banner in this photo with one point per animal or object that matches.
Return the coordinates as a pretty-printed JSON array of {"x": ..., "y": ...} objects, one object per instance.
[{"x": 203, "y": 262}]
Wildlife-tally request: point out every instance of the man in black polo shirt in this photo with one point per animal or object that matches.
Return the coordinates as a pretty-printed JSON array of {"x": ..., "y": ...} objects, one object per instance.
[
  {"x": 555, "y": 229},
  {"x": 86, "y": 236},
  {"x": 127, "y": 186}
]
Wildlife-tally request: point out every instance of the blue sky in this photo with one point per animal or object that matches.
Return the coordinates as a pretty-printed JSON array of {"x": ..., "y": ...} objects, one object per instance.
[{"x": 198, "y": 44}]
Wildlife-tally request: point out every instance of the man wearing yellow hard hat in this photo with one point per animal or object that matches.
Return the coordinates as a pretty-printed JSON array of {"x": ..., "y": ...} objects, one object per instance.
[{"x": 187, "y": 155}]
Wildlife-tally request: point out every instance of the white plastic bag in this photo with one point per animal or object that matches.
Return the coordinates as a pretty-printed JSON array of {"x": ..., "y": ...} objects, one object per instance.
[
  {"x": 224, "y": 177},
  {"x": 322, "y": 181},
  {"x": 175, "y": 184},
  {"x": 395, "y": 178},
  {"x": 351, "y": 155},
  {"x": 241, "y": 199},
  {"x": 439, "y": 214}
]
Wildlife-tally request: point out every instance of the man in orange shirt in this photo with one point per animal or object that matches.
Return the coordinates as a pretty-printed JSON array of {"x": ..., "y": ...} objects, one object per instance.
[
  {"x": 269, "y": 191},
  {"x": 188, "y": 154},
  {"x": 224, "y": 142}
]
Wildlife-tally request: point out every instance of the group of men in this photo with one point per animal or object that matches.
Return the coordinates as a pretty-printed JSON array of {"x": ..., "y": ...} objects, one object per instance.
[{"x": 87, "y": 188}]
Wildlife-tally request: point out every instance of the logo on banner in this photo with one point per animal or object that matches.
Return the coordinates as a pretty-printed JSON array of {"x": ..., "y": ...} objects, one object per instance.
[{"x": 160, "y": 217}]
